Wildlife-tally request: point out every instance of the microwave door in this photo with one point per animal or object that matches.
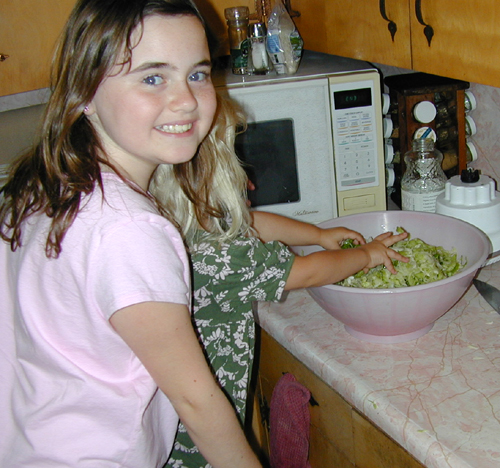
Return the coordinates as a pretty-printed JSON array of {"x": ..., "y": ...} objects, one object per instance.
[{"x": 287, "y": 148}]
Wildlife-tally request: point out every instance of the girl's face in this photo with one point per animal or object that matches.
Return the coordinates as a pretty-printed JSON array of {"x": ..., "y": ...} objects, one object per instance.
[{"x": 161, "y": 108}]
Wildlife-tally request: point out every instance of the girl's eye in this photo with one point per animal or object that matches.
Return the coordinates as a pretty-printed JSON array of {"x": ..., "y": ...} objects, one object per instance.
[
  {"x": 153, "y": 80},
  {"x": 199, "y": 76}
]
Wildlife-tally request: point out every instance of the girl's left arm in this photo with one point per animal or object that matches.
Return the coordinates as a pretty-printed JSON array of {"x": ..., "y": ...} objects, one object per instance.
[{"x": 271, "y": 227}]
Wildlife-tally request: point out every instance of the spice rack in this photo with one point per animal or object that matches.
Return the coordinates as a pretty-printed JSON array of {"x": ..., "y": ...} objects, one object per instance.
[{"x": 421, "y": 103}]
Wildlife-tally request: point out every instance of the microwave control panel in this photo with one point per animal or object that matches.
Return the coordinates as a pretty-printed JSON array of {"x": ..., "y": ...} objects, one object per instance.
[{"x": 358, "y": 141}]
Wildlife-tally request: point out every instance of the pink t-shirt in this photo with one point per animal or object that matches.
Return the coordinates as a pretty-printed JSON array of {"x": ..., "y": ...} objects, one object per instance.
[{"x": 72, "y": 393}]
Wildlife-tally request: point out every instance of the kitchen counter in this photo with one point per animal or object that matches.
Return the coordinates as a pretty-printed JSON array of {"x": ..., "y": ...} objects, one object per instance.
[{"x": 437, "y": 396}]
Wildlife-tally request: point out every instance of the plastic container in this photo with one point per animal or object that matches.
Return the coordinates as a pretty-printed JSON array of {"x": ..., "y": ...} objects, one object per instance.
[
  {"x": 472, "y": 197},
  {"x": 424, "y": 179},
  {"x": 237, "y": 26}
]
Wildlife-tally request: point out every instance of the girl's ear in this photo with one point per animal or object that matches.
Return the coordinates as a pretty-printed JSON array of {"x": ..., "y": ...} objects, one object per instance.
[{"x": 89, "y": 109}]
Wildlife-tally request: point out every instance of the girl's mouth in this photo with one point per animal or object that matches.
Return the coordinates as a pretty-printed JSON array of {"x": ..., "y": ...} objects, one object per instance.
[{"x": 175, "y": 128}]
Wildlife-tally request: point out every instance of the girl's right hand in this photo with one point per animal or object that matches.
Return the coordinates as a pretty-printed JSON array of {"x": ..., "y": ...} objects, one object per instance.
[{"x": 379, "y": 253}]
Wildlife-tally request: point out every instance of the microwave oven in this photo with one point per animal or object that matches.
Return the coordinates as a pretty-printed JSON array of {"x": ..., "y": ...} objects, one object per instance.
[{"x": 313, "y": 146}]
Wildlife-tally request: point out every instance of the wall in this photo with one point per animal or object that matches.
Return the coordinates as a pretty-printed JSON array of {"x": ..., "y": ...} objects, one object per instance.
[
  {"x": 18, "y": 124},
  {"x": 31, "y": 98}
]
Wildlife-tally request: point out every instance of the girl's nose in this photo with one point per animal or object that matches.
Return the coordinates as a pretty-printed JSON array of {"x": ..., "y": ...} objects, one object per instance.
[{"x": 182, "y": 98}]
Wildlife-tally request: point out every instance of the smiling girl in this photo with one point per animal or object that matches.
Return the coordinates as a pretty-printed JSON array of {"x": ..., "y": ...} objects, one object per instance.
[{"x": 98, "y": 355}]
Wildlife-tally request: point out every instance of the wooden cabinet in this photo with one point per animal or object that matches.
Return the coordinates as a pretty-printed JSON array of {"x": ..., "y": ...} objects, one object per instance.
[
  {"x": 357, "y": 29},
  {"x": 465, "y": 41},
  {"x": 339, "y": 436},
  {"x": 28, "y": 32}
]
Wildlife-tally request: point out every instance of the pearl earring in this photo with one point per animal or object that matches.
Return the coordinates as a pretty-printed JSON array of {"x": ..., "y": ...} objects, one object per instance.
[{"x": 86, "y": 109}]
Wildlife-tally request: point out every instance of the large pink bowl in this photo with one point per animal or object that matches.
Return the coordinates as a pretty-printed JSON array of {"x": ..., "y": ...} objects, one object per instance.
[{"x": 402, "y": 314}]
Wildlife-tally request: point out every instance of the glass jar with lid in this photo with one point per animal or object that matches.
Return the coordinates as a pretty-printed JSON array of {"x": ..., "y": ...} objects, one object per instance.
[
  {"x": 258, "y": 60},
  {"x": 424, "y": 178}
]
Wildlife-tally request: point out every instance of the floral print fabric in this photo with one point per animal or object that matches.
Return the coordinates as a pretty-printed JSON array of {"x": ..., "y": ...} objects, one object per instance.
[{"x": 227, "y": 278}]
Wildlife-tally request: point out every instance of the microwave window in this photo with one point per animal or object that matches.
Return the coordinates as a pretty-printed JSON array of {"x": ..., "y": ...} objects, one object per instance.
[
  {"x": 267, "y": 150},
  {"x": 353, "y": 98}
]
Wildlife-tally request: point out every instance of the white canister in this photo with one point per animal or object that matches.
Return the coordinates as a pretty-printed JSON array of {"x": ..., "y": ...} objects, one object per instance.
[{"x": 472, "y": 197}]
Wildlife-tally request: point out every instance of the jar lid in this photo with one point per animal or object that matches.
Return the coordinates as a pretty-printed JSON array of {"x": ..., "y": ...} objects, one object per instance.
[
  {"x": 388, "y": 127},
  {"x": 386, "y": 103},
  {"x": 390, "y": 176},
  {"x": 424, "y": 111},
  {"x": 425, "y": 132},
  {"x": 389, "y": 153},
  {"x": 470, "y": 101},
  {"x": 257, "y": 30},
  {"x": 471, "y": 150},
  {"x": 470, "y": 126}
]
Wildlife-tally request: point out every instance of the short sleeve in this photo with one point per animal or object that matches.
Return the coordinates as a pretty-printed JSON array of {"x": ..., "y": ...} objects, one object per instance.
[
  {"x": 140, "y": 261},
  {"x": 246, "y": 268}
]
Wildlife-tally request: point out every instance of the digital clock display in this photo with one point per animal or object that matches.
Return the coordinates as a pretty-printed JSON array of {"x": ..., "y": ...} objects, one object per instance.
[{"x": 352, "y": 98}]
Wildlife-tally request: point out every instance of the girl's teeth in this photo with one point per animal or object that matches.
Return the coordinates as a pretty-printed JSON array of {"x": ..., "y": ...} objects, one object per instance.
[{"x": 175, "y": 128}]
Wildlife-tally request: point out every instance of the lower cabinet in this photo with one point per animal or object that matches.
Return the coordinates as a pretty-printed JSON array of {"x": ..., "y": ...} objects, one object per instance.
[{"x": 340, "y": 437}]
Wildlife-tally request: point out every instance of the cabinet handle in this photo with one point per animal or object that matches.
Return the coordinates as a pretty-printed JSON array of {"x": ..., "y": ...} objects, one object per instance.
[
  {"x": 3, "y": 57},
  {"x": 392, "y": 26},
  {"x": 428, "y": 30},
  {"x": 291, "y": 11}
]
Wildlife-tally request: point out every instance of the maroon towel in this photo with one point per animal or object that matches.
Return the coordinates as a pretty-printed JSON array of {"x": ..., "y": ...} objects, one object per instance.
[{"x": 289, "y": 424}]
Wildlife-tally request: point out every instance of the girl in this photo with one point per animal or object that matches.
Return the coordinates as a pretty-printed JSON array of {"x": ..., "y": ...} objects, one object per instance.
[
  {"x": 98, "y": 355},
  {"x": 240, "y": 256}
]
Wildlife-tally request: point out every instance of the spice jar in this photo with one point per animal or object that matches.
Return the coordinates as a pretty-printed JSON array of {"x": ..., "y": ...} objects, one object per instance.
[
  {"x": 424, "y": 111},
  {"x": 237, "y": 24},
  {"x": 446, "y": 135},
  {"x": 258, "y": 60},
  {"x": 424, "y": 178}
]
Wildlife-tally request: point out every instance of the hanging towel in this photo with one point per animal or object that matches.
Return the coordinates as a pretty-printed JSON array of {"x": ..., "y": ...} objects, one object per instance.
[{"x": 289, "y": 424}]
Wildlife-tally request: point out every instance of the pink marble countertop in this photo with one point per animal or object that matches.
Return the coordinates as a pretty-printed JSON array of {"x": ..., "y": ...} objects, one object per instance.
[{"x": 437, "y": 396}]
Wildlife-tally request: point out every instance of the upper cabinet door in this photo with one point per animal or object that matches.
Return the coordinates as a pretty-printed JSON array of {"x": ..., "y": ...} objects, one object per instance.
[
  {"x": 466, "y": 39},
  {"x": 28, "y": 32},
  {"x": 373, "y": 30}
]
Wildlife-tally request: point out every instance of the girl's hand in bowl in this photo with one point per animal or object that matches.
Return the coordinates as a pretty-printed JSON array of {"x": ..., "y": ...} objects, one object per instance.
[{"x": 380, "y": 253}]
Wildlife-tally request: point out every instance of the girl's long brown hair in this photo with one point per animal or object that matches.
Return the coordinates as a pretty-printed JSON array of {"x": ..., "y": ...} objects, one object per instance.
[{"x": 64, "y": 163}]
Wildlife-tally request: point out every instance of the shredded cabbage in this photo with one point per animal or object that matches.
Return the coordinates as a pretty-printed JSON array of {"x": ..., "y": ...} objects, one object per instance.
[{"x": 427, "y": 263}]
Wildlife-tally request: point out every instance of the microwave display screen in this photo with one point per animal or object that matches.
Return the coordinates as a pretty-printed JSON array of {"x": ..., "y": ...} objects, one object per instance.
[
  {"x": 267, "y": 150},
  {"x": 353, "y": 98}
]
